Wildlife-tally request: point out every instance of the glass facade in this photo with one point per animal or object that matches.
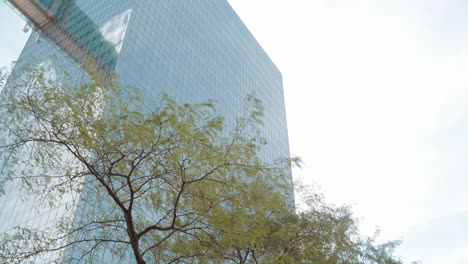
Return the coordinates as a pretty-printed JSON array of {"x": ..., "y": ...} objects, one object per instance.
[{"x": 191, "y": 50}]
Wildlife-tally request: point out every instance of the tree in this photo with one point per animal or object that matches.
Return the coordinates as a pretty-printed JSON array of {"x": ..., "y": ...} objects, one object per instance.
[
  {"x": 163, "y": 184},
  {"x": 322, "y": 233},
  {"x": 157, "y": 181}
]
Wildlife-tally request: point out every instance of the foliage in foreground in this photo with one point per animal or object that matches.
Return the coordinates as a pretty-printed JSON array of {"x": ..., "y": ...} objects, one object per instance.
[{"x": 163, "y": 184}]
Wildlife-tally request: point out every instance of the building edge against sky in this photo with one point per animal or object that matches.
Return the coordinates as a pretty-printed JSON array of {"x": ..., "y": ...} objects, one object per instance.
[{"x": 191, "y": 51}]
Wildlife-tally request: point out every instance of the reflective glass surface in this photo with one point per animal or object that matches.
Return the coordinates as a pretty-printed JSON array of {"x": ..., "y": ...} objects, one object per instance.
[{"x": 191, "y": 50}]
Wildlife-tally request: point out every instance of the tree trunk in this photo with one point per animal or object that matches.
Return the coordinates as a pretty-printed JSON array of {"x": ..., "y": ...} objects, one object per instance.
[{"x": 134, "y": 241}]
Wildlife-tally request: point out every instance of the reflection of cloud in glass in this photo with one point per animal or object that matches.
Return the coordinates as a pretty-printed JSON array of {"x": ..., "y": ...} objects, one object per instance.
[
  {"x": 113, "y": 31},
  {"x": 49, "y": 70}
]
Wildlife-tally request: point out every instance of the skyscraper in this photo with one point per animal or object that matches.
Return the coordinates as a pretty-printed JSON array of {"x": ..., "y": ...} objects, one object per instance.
[{"x": 190, "y": 50}]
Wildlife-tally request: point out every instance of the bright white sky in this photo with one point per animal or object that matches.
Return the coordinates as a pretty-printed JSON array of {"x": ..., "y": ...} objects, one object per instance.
[{"x": 375, "y": 96}]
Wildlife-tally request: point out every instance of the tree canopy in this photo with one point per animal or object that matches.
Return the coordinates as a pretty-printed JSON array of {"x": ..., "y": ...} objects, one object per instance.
[{"x": 165, "y": 183}]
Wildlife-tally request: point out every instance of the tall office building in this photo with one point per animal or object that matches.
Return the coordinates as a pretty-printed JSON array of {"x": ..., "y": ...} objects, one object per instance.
[{"x": 190, "y": 50}]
